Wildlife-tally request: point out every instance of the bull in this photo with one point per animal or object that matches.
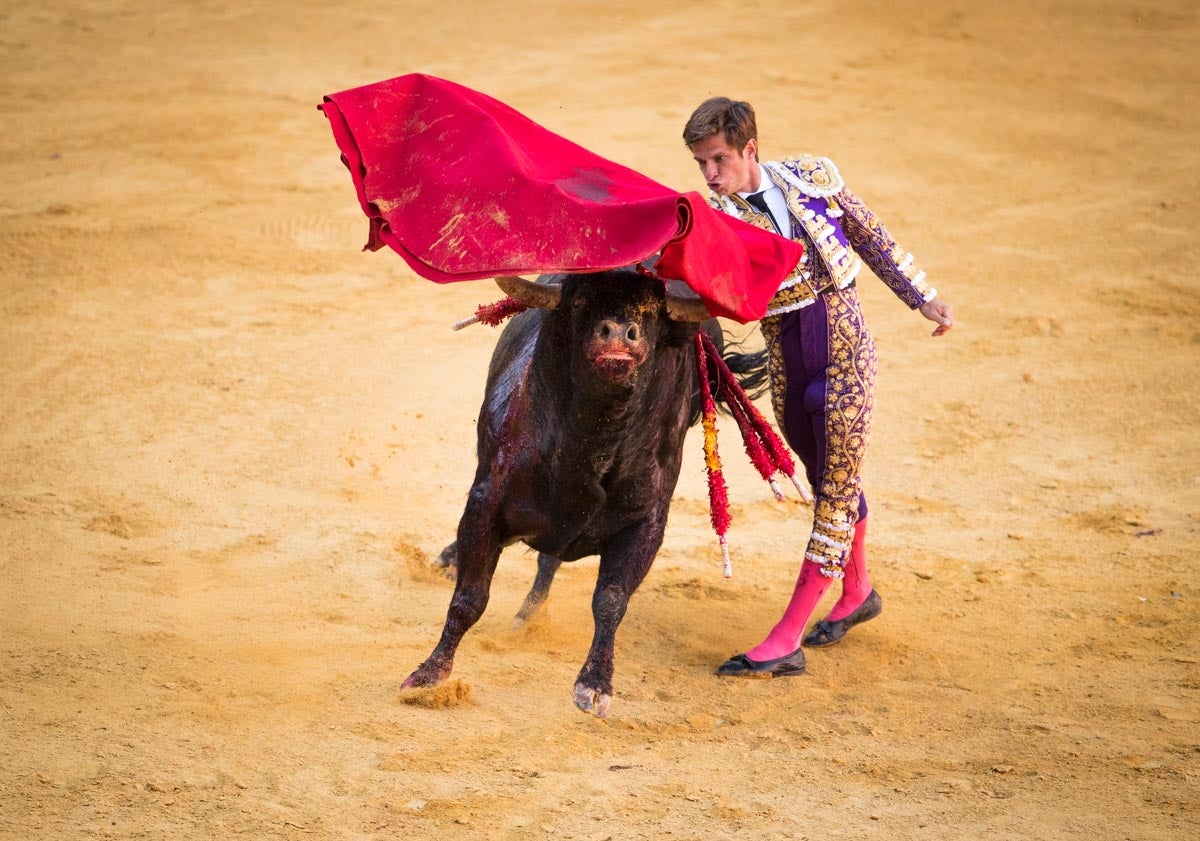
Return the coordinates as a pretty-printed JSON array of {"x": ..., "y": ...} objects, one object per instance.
[{"x": 589, "y": 396}]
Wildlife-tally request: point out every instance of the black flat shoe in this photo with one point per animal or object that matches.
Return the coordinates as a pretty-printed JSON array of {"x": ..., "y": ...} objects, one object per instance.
[
  {"x": 739, "y": 665},
  {"x": 826, "y": 632}
]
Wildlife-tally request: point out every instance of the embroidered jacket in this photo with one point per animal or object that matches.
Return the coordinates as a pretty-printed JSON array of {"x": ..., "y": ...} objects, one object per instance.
[{"x": 839, "y": 234}]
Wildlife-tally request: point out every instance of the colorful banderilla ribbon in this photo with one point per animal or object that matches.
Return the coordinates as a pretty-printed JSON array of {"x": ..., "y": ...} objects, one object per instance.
[{"x": 763, "y": 445}]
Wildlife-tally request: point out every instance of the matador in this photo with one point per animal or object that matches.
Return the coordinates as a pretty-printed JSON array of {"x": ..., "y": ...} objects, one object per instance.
[{"x": 821, "y": 358}]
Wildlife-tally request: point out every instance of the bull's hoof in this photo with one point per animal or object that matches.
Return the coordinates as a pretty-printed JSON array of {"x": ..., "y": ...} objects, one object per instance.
[
  {"x": 447, "y": 561},
  {"x": 591, "y": 701},
  {"x": 427, "y": 674},
  {"x": 528, "y": 612}
]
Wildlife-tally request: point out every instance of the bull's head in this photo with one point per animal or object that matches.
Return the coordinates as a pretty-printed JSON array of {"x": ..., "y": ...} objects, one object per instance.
[{"x": 614, "y": 321}]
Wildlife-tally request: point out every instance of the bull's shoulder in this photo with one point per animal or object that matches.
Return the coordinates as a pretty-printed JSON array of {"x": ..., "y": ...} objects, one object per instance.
[
  {"x": 517, "y": 339},
  {"x": 504, "y": 417}
]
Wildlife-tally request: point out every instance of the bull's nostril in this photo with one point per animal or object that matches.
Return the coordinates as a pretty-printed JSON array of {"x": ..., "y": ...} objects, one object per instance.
[
  {"x": 605, "y": 332},
  {"x": 633, "y": 333}
]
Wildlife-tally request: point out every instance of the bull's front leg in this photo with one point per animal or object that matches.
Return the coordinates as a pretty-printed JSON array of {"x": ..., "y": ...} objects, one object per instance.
[
  {"x": 623, "y": 565},
  {"x": 478, "y": 549}
]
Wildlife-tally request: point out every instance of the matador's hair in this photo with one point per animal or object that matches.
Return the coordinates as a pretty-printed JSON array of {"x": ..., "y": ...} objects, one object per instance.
[{"x": 732, "y": 119}]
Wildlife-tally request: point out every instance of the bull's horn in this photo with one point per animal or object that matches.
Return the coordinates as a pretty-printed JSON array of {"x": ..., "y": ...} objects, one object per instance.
[
  {"x": 542, "y": 295},
  {"x": 686, "y": 308}
]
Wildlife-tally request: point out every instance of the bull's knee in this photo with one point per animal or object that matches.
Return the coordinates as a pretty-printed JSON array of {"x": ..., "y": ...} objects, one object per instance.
[
  {"x": 468, "y": 605},
  {"x": 609, "y": 603}
]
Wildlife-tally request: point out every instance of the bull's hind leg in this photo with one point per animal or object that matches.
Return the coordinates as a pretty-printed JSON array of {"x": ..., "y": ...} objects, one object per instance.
[
  {"x": 448, "y": 561},
  {"x": 623, "y": 565},
  {"x": 478, "y": 549},
  {"x": 547, "y": 566}
]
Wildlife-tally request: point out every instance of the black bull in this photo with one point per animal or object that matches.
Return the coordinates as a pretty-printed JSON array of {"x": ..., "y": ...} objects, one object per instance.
[{"x": 581, "y": 436}]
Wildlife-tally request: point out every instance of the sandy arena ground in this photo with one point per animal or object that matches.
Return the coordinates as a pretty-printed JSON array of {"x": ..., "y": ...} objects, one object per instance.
[{"x": 230, "y": 442}]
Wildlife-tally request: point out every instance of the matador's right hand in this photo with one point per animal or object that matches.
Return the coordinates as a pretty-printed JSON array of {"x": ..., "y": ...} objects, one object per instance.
[{"x": 939, "y": 311}]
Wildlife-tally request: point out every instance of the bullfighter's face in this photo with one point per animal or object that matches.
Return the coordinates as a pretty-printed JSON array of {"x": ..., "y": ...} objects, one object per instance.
[{"x": 727, "y": 170}]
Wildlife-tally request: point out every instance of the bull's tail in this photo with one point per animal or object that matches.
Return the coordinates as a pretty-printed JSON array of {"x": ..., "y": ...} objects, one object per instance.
[{"x": 750, "y": 370}]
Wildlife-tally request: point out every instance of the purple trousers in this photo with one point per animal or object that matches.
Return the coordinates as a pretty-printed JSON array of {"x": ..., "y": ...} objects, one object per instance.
[{"x": 823, "y": 366}]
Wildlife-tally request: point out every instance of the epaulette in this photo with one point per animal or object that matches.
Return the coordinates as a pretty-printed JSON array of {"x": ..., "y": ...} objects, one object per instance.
[{"x": 815, "y": 177}]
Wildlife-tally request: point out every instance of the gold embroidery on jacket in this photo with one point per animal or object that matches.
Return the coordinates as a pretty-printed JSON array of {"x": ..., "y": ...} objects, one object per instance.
[{"x": 842, "y": 263}]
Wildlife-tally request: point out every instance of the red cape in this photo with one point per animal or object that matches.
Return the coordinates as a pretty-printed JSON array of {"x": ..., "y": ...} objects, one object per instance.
[{"x": 463, "y": 187}]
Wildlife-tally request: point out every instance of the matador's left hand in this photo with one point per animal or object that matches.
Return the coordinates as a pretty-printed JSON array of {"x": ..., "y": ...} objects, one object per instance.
[{"x": 939, "y": 311}]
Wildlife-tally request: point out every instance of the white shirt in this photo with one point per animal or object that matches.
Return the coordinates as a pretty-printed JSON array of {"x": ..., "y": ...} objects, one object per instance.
[{"x": 775, "y": 202}]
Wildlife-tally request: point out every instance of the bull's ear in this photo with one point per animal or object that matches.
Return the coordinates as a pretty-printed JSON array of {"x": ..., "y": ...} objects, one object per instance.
[{"x": 541, "y": 295}]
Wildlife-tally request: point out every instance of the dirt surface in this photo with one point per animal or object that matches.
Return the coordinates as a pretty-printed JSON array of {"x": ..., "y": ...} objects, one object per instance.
[{"x": 230, "y": 442}]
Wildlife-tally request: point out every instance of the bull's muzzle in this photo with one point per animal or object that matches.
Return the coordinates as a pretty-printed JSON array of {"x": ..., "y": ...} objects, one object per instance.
[{"x": 616, "y": 349}]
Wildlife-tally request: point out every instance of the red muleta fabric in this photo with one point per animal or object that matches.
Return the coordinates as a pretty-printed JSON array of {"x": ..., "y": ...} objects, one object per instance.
[{"x": 463, "y": 187}]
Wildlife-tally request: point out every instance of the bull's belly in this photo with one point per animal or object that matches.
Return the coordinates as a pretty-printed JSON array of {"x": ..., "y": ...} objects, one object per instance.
[
  {"x": 573, "y": 552},
  {"x": 570, "y": 539}
]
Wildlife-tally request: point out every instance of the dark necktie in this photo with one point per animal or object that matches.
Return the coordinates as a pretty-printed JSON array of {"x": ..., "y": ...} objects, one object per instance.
[{"x": 759, "y": 202}]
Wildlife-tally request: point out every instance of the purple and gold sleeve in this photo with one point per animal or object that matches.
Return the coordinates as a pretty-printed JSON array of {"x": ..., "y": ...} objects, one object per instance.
[{"x": 894, "y": 266}]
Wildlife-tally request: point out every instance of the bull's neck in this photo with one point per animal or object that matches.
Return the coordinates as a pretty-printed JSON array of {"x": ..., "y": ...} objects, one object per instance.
[
  {"x": 586, "y": 426},
  {"x": 600, "y": 414}
]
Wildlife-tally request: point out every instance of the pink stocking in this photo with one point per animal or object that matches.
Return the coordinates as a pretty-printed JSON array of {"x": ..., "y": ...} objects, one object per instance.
[
  {"x": 856, "y": 586},
  {"x": 785, "y": 636}
]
